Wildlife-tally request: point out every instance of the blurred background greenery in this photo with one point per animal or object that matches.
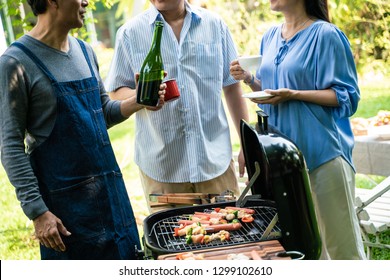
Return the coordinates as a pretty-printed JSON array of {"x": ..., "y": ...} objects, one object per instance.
[{"x": 365, "y": 22}]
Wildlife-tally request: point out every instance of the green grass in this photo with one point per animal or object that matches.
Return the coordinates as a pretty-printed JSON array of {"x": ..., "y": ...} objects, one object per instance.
[
  {"x": 373, "y": 99},
  {"x": 16, "y": 231},
  {"x": 16, "y": 238}
]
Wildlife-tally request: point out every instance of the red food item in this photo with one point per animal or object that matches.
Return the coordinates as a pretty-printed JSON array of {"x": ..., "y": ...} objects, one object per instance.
[
  {"x": 219, "y": 227},
  {"x": 202, "y": 213},
  {"x": 223, "y": 221},
  {"x": 247, "y": 219},
  {"x": 246, "y": 210},
  {"x": 176, "y": 231},
  {"x": 197, "y": 239},
  {"x": 200, "y": 217}
]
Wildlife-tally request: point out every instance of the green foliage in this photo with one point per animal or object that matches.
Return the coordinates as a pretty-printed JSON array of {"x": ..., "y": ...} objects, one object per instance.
[
  {"x": 368, "y": 181},
  {"x": 367, "y": 25},
  {"x": 25, "y": 22},
  {"x": 247, "y": 21},
  {"x": 126, "y": 7}
]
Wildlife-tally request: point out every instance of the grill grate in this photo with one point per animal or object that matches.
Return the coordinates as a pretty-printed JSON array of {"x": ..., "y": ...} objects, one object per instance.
[{"x": 163, "y": 231}]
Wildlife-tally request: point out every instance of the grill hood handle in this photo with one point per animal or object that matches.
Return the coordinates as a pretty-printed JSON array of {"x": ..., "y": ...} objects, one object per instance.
[
  {"x": 240, "y": 201},
  {"x": 262, "y": 121}
]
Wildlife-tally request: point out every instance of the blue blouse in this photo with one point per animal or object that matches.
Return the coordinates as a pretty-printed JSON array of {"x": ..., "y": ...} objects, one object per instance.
[{"x": 318, "y": 57}]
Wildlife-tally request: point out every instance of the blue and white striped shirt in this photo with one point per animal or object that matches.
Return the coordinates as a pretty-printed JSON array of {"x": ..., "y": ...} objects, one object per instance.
[{"x": 188, "y": 140}]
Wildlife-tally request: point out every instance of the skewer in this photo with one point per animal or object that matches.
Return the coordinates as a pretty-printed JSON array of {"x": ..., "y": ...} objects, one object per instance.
[{"x": 165, "y": 232}]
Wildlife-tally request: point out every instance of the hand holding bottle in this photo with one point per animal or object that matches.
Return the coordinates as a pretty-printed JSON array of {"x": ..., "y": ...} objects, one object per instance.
[
  {"x": 152, "y": 72},
  {"x": 161, "y": 93}
]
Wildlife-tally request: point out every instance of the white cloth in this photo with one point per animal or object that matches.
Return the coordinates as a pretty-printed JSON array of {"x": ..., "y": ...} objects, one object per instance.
[{"x": 333, "y": 192}]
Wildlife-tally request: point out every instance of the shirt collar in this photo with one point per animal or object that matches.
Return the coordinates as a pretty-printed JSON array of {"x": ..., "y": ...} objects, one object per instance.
[{"x": 156, "y": 15}]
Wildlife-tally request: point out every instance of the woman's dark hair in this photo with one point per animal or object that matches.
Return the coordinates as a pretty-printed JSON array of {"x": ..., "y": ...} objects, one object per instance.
[
  {"x": 38, "y": 6},
  {"x": 317, "y": 9}
]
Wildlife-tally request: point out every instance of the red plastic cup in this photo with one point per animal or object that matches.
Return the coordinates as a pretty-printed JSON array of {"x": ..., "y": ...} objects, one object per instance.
[{"x": 171, "y": 91}]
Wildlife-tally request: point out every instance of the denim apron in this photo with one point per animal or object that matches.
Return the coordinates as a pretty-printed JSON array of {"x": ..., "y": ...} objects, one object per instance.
[{"x": 78, "y": 175}]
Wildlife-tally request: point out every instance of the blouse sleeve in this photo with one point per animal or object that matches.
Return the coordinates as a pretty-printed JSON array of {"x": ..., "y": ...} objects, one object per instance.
[{"x": 336, "y": 70}]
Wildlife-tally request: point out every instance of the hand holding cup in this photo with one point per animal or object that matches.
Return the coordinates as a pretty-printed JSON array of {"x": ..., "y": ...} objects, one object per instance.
[
  {"x": 250, "y": 63},
  {"x": 171, "y": 91}
]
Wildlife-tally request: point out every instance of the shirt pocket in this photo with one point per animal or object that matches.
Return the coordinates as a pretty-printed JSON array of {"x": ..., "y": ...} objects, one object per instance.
[{"x": 208, "y": 60}]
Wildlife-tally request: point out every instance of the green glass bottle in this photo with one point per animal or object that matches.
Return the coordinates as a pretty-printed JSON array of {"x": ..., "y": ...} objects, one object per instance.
[{"x": 152, "y": 71}]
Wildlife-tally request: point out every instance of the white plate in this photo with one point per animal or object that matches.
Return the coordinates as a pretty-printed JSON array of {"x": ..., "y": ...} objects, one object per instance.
[{"x": 257, "y": 95}]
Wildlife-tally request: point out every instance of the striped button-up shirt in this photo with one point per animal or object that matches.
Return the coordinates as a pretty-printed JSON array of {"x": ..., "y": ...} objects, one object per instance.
[{"x": 188, "y": 140}]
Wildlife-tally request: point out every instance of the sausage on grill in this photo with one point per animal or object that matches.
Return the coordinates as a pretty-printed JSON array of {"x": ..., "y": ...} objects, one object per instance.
[{"x": 227, "y": 227}]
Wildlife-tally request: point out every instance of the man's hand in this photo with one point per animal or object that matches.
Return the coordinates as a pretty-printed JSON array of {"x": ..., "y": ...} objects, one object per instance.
[
  {"x": 161, "y": 101},
  {"x": 47, "y": 230}
]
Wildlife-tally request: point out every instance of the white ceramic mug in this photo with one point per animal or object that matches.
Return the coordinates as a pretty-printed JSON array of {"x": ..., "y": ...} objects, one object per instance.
[{"x": 250, "y": 63}]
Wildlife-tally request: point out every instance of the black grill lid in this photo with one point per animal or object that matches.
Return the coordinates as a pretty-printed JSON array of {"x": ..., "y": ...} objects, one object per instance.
[{"x": 284, "y": 179}]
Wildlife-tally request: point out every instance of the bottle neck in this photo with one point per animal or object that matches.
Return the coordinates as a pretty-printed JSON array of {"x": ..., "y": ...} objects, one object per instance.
[{"x": 157, "y": 36}]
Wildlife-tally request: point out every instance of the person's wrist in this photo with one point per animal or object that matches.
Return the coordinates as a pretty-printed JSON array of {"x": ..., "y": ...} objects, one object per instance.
[{"x": 250, "y": 81}]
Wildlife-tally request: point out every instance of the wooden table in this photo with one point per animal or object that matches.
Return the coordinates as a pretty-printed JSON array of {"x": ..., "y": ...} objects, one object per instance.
[{"x": 371, "y": 155}]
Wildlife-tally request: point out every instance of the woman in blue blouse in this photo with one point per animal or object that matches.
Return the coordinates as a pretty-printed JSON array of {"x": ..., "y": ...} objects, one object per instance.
[{"x": 309, "y": 69}]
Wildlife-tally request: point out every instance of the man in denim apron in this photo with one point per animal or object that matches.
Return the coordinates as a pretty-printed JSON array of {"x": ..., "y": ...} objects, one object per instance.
[{"x": 70, "y": 185}]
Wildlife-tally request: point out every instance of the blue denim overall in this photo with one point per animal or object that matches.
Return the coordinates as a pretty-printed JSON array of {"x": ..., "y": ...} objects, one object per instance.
[{"x": 78, "y": 175}]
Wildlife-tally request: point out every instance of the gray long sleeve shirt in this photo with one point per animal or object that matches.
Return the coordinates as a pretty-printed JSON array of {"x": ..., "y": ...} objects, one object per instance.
[{"x": 28, "y": 109}]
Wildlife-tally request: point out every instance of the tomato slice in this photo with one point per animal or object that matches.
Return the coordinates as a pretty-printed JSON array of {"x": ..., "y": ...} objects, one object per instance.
[{"x": 247, "y": 219}]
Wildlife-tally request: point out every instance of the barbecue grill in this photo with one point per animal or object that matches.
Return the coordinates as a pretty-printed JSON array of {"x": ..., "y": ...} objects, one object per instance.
[{"x": 280, "y": 198}]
